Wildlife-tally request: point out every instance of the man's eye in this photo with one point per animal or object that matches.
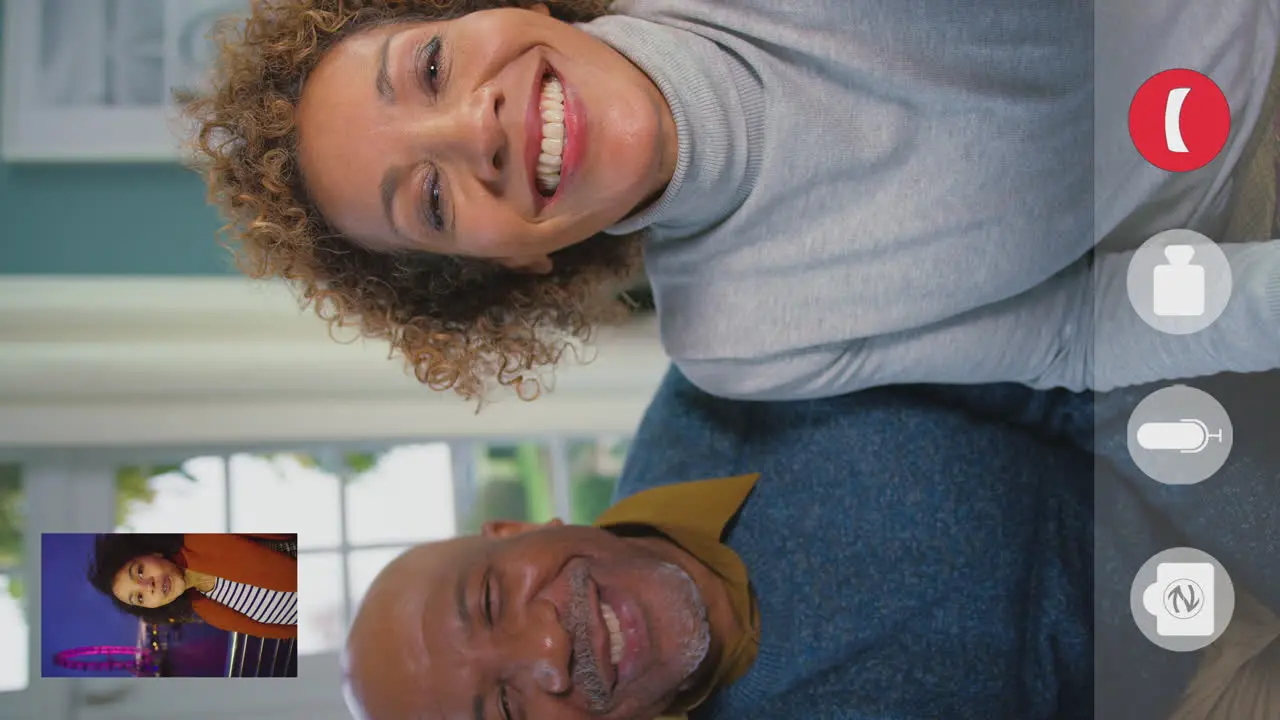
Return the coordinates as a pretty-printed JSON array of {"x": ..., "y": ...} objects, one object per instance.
[
  {"x": 488, "y": 600},
  {"x": 503, "y": 706}
]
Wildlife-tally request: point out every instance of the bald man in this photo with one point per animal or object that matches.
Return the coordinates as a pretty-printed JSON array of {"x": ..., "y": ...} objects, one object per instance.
[{"x": 876, "y": 556}]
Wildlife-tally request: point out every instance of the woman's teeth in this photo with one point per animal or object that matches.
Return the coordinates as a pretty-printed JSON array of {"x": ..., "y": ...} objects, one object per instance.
[
  {"x": 551, "y": 104},
  {"x": 615, "y": 633}
]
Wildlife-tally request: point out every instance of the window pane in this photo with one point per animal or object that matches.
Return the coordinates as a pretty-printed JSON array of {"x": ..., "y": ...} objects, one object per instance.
[
  {"x": 13, "y": 620},
  {"x": 364, "y": 566},
  {"x": 285, "y": 493},
  {"x": 405, "y": 496},
  {"x": 12, "y": 516},
  {"x": 513, "y": 482},
  {"x": 13, "y": 635},
  {"x": 594, "y": 467},
  {"x": 321, "y": 620},
  {"x": 190, "y": 497}
]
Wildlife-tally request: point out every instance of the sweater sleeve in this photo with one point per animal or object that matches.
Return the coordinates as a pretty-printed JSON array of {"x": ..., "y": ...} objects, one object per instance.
[
  {"x": 235, "y": 557},
  {"x": 1076, "y": 331},
  {"x": 225, "y": 618}
]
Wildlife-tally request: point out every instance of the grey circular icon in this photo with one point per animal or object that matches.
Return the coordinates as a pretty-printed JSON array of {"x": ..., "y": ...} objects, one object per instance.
[
  {"x": 1179, "y": 282},
  {"x": 1180, "y": 435},
  {"x": 1182, "y": 600}
]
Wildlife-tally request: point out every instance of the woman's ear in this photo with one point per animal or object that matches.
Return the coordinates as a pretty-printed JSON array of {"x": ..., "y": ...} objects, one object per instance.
[{"x": 540, "y": 8}]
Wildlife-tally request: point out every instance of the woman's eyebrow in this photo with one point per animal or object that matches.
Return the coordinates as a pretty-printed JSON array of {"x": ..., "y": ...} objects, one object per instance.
[
  {"x": 386, "y": 90},
  {"x": 382, "y": 81}
]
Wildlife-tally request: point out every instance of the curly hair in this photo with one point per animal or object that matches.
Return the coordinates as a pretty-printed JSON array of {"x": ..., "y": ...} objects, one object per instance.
[
  {"x": 114, "y": 551},
  {"x": 460, "y": 323}
]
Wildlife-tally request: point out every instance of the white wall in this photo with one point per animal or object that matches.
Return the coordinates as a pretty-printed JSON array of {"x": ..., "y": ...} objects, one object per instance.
[{"x": 128, "y": 361}]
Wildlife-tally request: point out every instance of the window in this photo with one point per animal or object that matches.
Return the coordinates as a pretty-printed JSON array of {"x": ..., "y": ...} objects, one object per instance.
[
  {"x": 594, "y": 466},
  {"x": 355, "y": 509},
  {"x": 13, "y": 616}
]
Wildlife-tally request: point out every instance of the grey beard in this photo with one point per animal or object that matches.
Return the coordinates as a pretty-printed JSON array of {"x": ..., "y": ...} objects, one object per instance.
[{"x": 695, "y": 627}]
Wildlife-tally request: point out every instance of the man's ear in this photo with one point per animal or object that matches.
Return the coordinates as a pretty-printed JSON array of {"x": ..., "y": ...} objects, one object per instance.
[
  {"x": 540, "y": 8},
  {"x": 498, "y": 529},
  {"x": 530, "y": 264}
]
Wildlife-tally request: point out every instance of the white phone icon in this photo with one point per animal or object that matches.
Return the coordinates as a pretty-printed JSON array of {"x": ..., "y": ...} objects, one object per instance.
[{"x": 1173, "y": 120}]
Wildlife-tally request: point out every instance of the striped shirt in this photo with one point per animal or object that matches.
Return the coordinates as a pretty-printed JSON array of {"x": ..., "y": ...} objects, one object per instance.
[{"x": 272, "y": 607}]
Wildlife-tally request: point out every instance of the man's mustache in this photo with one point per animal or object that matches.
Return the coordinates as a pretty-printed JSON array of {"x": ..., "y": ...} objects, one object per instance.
[{"x": 584, "y": 665}]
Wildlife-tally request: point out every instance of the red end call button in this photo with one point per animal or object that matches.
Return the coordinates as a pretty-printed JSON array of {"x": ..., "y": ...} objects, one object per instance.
[{"x": 1179, "y": 120}]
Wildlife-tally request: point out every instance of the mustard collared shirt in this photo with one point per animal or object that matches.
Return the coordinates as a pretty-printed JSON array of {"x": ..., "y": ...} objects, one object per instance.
[{"x": 693, "y": 515}]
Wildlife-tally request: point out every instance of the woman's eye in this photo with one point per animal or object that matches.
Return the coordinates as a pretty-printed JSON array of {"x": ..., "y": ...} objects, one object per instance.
[
  {"x": 431, "y": 202},
  {"x": 431, "y": 64}
]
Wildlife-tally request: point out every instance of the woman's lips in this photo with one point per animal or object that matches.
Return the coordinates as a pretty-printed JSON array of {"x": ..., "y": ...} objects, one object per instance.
[
  {"x": 575, "y": 125},
  {"x": 533, "y": 135}
]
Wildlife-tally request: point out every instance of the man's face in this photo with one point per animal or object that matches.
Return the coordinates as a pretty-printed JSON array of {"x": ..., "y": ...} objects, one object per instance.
[{"x": 526, "y": 622}]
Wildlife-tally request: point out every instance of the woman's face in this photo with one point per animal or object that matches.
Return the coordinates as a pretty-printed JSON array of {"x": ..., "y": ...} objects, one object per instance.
[
  {"x": 149, "y": 581},
  {"x": 450, "y": 137}
]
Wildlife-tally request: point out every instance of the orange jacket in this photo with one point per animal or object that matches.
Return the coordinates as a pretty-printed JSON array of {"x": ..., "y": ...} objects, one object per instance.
[{"x": 239, "y": 559}]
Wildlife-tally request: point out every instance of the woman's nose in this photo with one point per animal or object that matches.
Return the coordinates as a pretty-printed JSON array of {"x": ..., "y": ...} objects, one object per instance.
[{"x": 475, "y": 136}]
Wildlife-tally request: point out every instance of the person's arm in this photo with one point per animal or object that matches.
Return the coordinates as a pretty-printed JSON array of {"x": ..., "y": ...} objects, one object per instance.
[
  {"x": 236, "y": 557},
  {"x": 1076, "y": 331},
  {"x": 225, "y": 618}
]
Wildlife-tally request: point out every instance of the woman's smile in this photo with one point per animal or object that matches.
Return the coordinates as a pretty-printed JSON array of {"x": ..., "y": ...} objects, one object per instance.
[
  {"x": 556, "y": 118},
  {"x": 544, "y": 123}
]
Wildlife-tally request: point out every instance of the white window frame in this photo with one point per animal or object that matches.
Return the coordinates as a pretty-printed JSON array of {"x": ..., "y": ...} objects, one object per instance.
[{"x": 463, "y": 453}]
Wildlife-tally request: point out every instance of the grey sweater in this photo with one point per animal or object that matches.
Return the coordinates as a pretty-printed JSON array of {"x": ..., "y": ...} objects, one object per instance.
[{"x": 873, "y": 192}]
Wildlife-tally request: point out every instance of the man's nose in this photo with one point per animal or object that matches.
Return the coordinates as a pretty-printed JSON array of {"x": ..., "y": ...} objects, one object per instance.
[
  {"x": 545, "y": 649},
  {"x": 473, "y": 136}
]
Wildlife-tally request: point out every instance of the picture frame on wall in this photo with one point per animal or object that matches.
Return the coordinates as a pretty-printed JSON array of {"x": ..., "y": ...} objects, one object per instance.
[{"x": 93, "y": 80}]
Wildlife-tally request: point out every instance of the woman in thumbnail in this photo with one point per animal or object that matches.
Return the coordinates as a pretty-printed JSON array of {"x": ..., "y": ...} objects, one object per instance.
[{"x": 246, "y": 583}]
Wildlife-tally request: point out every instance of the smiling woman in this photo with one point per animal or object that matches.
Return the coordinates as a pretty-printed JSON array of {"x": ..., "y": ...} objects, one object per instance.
[
  {"x": 420, "y": 170},
  {"x": 833, "y": 195},
  {"x": 239, "y": 583}
]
